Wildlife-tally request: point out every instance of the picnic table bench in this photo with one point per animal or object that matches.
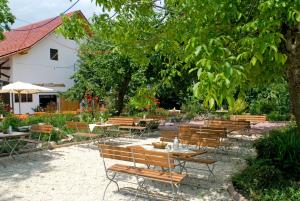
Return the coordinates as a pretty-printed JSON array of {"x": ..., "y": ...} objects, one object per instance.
[
  {"x": 168, "y": 135},
  {"x": 228, "y": 124},
  {"x": 127, "y": 123},
  {"x": 145, "y": 157},
  {"x": 41, "y": 130},
  {"x": 252, "y": 118},
  {"x": 11, "y": 141},
  {"x": 82, "y": 130}
]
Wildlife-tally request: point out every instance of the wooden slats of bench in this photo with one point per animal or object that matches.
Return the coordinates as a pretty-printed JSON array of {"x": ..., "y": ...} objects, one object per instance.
[
  {"x": 121, "y": 121},
  {"x": 168, "y": 135},
  {"x": 46, "y": 129},
  {"x": 166, "y": 177},
  {"x": 87, "y": 135},
  {"x": 137, "y": 155},
  {"x": 228, "y": 124},
  {"x": 251, "y": 118}
]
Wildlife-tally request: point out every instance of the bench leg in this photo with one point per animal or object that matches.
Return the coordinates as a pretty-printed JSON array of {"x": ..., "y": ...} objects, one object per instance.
[
  {"x": 141, "y": 186},
  {"x": 211, "y": 171},
  {"x": 111, "y": 180},
  {"x": 175, "y": 192}
]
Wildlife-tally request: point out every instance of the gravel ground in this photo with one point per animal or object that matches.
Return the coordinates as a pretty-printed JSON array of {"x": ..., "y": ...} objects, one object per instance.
[{"x": 76, "y": 173}]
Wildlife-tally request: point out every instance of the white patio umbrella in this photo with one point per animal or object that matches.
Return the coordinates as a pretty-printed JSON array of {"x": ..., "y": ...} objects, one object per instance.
[{"x": 23, "y": 88}]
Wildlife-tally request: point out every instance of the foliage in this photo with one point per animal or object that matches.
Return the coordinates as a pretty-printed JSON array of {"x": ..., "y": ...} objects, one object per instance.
[
  {"x": 239, "y": 106},
  {"x": 3, "y": 108},
  {"x": 10, "y": 120},
  {"x": 269, "y": 99},
  {"x": 192, "y": 107},
  {"x": 6, "y": 17},
  {"x": 232, "y": 46},
  {"x": 274, "y": 174},
  {"x": 261, "y": 181},
  {"x": 281, "y": 148},
  {"x": 104, "y": 73},
  {"x": 275, "y": 116},
  {"x": 144, "y": 100}
]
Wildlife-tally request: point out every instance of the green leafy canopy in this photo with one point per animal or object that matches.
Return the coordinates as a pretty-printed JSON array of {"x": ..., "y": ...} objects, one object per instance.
[{"x": 6, "y": 17}]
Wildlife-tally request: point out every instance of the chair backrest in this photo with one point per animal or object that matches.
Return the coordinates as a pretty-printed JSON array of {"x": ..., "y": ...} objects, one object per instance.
[
  {"x": 210, "y": 132},
  {"x": 136, "y": 155},
  {"x": 168, "y": 135},
  {"x": 77, "y": 125},
  {"x": 71, "y": 124},
  {"x": 122, "y": 121},
  {"x": 41, "y": 128}
]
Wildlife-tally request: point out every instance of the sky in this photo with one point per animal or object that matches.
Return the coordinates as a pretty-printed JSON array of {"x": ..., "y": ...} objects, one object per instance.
[{"x": 29, "y": 11}]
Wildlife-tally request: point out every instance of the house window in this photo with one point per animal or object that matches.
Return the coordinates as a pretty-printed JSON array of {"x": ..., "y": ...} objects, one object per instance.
[
  {"x": 53, "y": 54},
  {"x": 24, "y": 98}
]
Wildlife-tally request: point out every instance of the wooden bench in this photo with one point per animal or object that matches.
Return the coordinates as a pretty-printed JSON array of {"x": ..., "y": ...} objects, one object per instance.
[
  {"x": 121, "y": 121},
  {"x": 252, "y": 118},
  {"x": 40, "y": 129},
  {"x": 81, "y": 130},
  {"x": 127, "y": 123},
  {"x": 168, "y": 135},
  {"x": 205, "y": 137},
  {"x": 140, "y": 156},
  {"x": 228, "y": 124}
]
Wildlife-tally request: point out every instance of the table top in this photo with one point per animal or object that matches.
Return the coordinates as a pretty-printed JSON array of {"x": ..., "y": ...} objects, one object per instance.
[
  {"x": 92, "y": 126},
  {"x": 104, "y": 125},
  {"x": 13, "y": 135}
]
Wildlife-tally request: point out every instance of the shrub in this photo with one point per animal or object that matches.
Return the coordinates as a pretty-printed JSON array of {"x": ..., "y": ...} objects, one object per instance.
[
  {"x": 238, "y": 107},
  {"x": 275, "y": 116},
  {"x": 258, "y": 175},
  {"x": 281, "y": 148},
  {"x": 11, "y": 120},
  {"x": 192, "y": 107},
  {"x": 274, "y": 174}
]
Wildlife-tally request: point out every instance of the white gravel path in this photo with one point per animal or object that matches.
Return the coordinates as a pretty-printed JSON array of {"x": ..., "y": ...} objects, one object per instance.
[{"x": 76, "y": 173}]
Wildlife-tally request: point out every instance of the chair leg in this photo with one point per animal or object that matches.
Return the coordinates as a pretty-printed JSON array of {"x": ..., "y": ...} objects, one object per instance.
[{"x": 111, "y": 180}]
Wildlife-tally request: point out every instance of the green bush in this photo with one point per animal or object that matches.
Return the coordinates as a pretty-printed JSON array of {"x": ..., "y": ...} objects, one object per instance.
[
  {"x": 275, "y": 173},
  {"x": 258, "y": 175},
  {"x": 281, "y": 148},
  {"x": 11, "y": 120},
  {"x": 238, "y": 107},
  {"x": 289, "y": 193},
  {"x": 275, "y": 116},
  {"x": 192, "y": 107}
]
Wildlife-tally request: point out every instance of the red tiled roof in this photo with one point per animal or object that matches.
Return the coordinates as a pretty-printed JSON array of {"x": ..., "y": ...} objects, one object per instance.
[{"x": 25, "y": 37}]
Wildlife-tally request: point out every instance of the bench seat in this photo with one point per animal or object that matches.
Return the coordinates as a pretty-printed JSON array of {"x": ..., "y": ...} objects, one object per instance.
[{"x": 157, "y": 175}]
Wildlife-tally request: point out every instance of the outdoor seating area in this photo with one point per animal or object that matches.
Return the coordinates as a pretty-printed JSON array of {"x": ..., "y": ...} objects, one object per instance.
[
  {"x": 198, "y": 158},
  {"x": 149, "y": 100}
]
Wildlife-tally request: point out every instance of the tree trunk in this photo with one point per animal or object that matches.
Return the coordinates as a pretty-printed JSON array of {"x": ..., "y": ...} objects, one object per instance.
[
  {"x": 293, "y": 70},
  {"x": 123, "y": 88}
]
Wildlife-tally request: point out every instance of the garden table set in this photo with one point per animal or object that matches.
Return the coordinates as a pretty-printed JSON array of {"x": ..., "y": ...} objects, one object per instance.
[
  {"x": 183, "y": 155},
  {"x": 12, "y": 142}
]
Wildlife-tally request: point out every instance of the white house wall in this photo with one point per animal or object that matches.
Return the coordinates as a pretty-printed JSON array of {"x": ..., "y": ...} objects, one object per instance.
[{"x": 36, "y": 67}]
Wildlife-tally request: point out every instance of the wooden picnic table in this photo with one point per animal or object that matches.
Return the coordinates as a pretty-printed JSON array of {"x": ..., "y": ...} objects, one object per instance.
[
  {"x": 12, "y": 141},
  {"x": 183, "y": 155}
]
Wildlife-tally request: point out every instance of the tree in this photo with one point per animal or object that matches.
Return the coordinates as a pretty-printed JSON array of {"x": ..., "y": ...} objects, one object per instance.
[
  {"x": 6, "y": 18},
  {"x": 104, "y": 73},
  {"x": 233, "y": 45}
]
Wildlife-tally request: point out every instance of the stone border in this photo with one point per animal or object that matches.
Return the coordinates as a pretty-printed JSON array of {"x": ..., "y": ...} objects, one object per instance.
[{"x": 234, "y": 194}]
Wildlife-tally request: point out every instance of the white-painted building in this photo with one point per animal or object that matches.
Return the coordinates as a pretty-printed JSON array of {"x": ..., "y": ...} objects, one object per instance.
[{"x": 38, "y": 55}]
